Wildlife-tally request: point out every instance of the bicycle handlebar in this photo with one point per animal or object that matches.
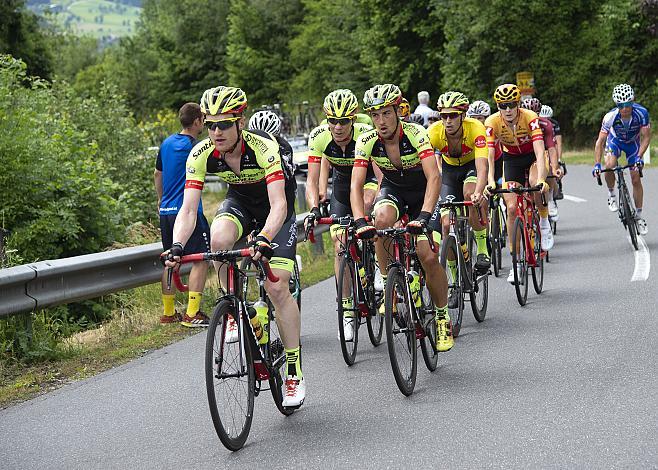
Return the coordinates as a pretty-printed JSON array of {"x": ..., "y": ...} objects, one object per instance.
[
  {"x": 449, "y": 204},
  {"x": 617, "y": 169},
  {"x": 397, "y": 232},
  {"x": 521, "y": 190},
  {"x": 223, "y": 255}
]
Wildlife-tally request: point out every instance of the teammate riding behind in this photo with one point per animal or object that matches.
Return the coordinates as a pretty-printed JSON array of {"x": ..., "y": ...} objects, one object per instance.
[
  {"x": 626, "y": 128},
  {"x": 461, "y": 142},
  {"x": 332, "y": 144},
  {"x": 410, "y": 184},
  {"x": 260, "y": 193},
  {"x": 520, "y": 135},
  {"x": 550, "y": 143}
]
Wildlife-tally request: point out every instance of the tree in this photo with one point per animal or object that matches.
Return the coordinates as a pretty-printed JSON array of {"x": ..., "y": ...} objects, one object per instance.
[
  {"x": 21, "y": 36},
  {"x": 258, "y": 49}
]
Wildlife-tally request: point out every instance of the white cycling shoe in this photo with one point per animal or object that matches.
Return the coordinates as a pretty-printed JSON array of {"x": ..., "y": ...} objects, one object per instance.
[
  {"x": 612, "y": 204},
  {"x": 552, "y": 211},
  {"x": 510, "y": 276},
  {"x": 642, "y": 228},
  {"x": 348, "y": 328},
  {"x": 379, "y": 280},
  {"x": 231, "y": 333},
  {"x": 547, "y": 239},
  {"x": 295, "y": 392}
]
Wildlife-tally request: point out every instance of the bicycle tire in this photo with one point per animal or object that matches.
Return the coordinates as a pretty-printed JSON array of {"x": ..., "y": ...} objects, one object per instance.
[
  {"x": 519, "y": 259},
  {"x": 400, "y": 331},
  {"x": 276, "y": 355},
  {"x": 456, "y": 313},
  {"x": 428, "y": 320},
  {"x": 538, "y": 270},
  {"x": 479, "y": 292},
  {"x": 494, "y": 243},
  {"x": 630, "y": 223},
  {"x": 374, "y": 321},
  {"x": 348, "y": 348},
  {"x": 295, "y": 286},
  {"x": 232, "y": 437}
]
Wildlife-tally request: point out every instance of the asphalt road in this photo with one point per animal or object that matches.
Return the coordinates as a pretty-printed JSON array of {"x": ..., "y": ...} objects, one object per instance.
[{"x": 570, "y": 380}]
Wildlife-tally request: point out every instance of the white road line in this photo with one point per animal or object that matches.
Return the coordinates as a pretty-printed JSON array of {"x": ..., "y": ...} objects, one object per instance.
[
  {"x": 574, "y": 198},
  {"x": 642, "y": 261}
]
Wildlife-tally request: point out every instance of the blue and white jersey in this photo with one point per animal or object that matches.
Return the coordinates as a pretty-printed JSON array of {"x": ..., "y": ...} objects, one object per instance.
[
  {"x": 629, "y": 131},
  {"x": 171, "y": 160}
]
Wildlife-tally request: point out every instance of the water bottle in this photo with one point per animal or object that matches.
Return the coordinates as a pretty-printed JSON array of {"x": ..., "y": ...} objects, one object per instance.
[
  {"x": 414, "y": 285},
  {"x": 258, "y": 317}
]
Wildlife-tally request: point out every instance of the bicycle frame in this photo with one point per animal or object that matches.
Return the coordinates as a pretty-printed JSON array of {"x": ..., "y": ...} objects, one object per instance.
[{"x": 525, "y": 207}]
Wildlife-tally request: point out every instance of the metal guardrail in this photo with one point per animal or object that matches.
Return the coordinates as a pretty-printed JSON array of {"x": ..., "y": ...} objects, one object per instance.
[{"x": 49, "y": 283}]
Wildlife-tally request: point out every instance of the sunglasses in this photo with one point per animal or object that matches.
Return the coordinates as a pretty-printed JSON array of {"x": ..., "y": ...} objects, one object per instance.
[
  {"x": 453, "y": 115},
  {"x": 625, "y": 105},
  {"x": 510, "y": 105},
  {"x": 222, "y": 125},
  {"x": 341, "y": 121},
  {"x": 432, "y": 119}
]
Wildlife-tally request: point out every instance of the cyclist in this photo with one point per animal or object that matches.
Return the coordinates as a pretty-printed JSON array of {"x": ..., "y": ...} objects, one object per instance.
[
  {"x": 481, "y": 110},
  {"x": 423, "y": 107},
  {"x": 625, "y": 128},
  {"x": 334, "y": 143},
  {"x": 169, "y": 178},
  {"x": 410, "y": 184},
  {"x": 433, "y": 117},
  {"x": 404, "y": 110},
  {"x": 521, "y": 138},
  {"x": 550, "y": 143},
  {"x": 416, "y": 119},
  {"x": 462, "y": 144},
  {"x": 547, "y": 112},
  {"x": 269, "y": 121},
  {"x": 259, "y": 193}
]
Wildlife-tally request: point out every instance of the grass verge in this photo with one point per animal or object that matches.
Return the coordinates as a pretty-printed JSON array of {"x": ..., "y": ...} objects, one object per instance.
[{"x": 133, "y": 331}]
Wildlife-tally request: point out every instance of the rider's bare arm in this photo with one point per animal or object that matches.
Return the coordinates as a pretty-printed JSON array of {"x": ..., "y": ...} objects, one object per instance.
[{"x": 186, "y": 219}]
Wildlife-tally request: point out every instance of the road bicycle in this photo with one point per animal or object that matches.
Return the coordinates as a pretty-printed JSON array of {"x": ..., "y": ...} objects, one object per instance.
[
  {"x": 464, "y": 280},
  {"x": 497, "y": 233},
  {"x": 410, "y": 313},
  {"x": 243, "y": 355},
  {"x": 527, "y": 253},
  {"x": 626, "y": 209},
  {"x": 355, "y": 281}
]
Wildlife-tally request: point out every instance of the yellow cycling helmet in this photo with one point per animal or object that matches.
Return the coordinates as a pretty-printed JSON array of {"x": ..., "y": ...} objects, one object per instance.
[
  {"x": 223, "y": 100},
  {"x": 452, "y": 100},
  {"x": 381, "y": 96},
  {"x": 404, "y": 110},
  {"x": 506, "y": 93},
  {"x": 340, "y": 104}
]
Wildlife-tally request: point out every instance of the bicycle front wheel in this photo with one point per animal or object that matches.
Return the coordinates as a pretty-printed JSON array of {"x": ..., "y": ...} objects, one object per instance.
[
  {"x": 479, "y": 293},
  {"x": 348, "y": 312},
  {"x": 494, "y": 241},
  {"x": 449, "y": 254},
  {"x": 538, "y": 269},
  {"x": 374, "y": 321},
  {"x": 230, "y": 377},
  {"x": 428, "y": 319},
  {"x": 400, "y": 331},
  {"x": 519, "y": 262}
]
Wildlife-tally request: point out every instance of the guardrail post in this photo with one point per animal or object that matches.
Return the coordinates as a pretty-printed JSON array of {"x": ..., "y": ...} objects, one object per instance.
[
  {"x": 301, "y": 197},
  {"x": 318, "y": 246}
]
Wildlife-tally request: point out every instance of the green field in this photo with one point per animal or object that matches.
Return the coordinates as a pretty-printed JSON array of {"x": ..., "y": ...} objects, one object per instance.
[{"x": 99, "y": 18}]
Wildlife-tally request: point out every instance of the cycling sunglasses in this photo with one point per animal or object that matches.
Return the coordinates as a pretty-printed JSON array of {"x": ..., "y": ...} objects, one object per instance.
[
  {"x": 625, "y": 105},
  {"x": 341, "y": 121},
  {"x": 452, "y": 115},
  {"x": 222, "y": 125},
  {"x": 508, "y": 105}
]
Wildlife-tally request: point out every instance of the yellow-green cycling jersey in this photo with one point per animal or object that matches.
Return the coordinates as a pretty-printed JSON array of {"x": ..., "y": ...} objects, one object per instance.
[
  {"x": 260, "y": 165},
  {"x": 474, "y": 142},
  {"x": 414, "y": 146}
]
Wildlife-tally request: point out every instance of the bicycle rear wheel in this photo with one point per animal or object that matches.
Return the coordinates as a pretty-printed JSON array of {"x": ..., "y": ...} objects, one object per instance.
[
  {"x": 479, "y": 293},
  {"x": 519, "y": 263},
  {"x": 428, "y": 320},
  {"x": 230, "y": 378},
  {"x": 455, "y": 283},
  {"x": 374, "y": 320},
  {"x": 494, "y": 241},
  {"x": 276, "y": 355},
  {"x": 538, "y": 270},
  {"x": 400, "y": 331},
  {"x": 350, "y": 315}
]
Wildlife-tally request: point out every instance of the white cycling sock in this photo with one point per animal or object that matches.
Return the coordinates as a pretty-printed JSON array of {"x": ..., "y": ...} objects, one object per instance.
[
  {"x": 638, "y": 212},
  {"x": 544, "y": 223},
  {"x": 611, "y": 192}
]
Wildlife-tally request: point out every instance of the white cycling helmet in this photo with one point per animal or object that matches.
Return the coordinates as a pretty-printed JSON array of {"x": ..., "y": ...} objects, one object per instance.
[
  {"x": 266, "y": 121},
  {"x": 545, "y": 111},
  {"x": 622, "y": 93},
  {"x": 478, "y": 108}
]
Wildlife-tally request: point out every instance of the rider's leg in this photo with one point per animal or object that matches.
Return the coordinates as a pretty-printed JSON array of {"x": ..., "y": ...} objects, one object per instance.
[
  {"x": 479, "y": 230},
  {"x": 544, "y": 223},
  {"x": 638, "y": 191},
  {"x": 224, "y": 232}
]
